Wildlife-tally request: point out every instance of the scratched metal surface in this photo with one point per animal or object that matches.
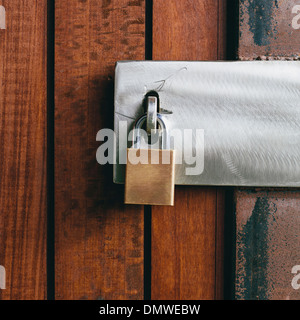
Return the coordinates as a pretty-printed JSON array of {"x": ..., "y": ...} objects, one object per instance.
[{"x": 250, "y": 113}]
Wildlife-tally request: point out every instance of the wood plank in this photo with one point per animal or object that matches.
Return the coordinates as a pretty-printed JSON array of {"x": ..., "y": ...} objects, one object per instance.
[
  {"x": 99, "y": 241},
  {"x": 267, "y": 220},
  {"x": 187, "y": 238},
  {"x": 23, "y": 95}
]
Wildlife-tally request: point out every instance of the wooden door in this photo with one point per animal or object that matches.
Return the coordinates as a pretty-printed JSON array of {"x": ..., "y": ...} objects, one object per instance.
[{"x": 100, "y": 250}]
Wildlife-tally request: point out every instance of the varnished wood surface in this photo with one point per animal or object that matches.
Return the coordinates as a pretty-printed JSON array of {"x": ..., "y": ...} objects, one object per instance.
[
  {"x": 23, "y": 109},
  {"x": 187, "y": 240},
  {"x": 98, "y": 240}
]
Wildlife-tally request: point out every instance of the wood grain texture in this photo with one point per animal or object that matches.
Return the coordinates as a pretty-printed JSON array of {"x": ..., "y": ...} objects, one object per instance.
[
  {"x": 187, "y": 239},
  {"x": 98, "y": 240},
  {"x": 23, "y": 212}
]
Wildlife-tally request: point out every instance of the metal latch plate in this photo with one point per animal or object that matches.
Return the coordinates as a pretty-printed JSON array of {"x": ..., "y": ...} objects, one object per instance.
[{"x": 249, "y": 113}]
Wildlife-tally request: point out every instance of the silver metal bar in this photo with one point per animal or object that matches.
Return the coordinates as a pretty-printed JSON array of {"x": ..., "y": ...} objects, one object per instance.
[{"x": 249, "y": 111}]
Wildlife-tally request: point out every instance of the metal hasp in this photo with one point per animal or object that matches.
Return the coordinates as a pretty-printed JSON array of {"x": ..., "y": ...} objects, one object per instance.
[{"x": 248, "y": 112}]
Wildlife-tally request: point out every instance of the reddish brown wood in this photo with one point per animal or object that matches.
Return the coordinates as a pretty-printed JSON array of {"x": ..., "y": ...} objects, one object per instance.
[
  {"x": 187, "y": 239},
  {"x": 99, "y": 240},
  {"x": 185, "y": 30},
  {"x": 23, "y": 112}
]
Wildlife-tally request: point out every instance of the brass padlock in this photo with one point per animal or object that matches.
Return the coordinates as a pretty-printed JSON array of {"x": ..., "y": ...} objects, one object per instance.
[{"x": 151, "y": 180}]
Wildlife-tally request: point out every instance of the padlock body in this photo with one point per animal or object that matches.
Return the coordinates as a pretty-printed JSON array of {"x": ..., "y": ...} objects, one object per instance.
[{"x": 151, "y": 181}]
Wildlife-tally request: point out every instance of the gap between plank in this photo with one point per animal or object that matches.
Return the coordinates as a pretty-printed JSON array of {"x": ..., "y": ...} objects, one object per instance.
[
  {"x": 50, "y": 151},
  {"x": 147, "y": 209}
]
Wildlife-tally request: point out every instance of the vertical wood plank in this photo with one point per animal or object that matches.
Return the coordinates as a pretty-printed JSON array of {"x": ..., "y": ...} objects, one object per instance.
[
  {"x": 267, "y": 219},
  {"x": 99, "y": 240},
  {"x": 186, "y": 239},
  {"x": 23, "y": 110}
]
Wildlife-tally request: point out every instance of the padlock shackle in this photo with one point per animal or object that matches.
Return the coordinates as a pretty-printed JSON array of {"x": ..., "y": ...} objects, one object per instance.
[
  {"x": 151, "y": 115},
  {"x": 136, "y": 139}
]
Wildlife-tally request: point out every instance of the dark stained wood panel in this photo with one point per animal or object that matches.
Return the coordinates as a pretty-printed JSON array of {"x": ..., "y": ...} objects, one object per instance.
[
  {"x": 23, "y": 110},
  {"x": 98, "y": 240},
  {"x": 187, "y": 239}
]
